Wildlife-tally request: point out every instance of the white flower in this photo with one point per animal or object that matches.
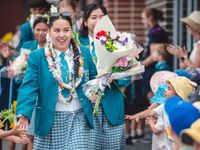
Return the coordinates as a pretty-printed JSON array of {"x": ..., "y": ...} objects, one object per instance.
[{"x": 113, "y": 36}]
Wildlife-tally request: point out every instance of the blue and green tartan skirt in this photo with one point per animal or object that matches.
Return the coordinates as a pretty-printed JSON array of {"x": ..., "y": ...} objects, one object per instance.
[{"x": 68, "y": 132}]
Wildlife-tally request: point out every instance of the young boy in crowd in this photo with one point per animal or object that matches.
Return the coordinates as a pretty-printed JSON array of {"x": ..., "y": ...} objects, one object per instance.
[
  {"x": 179, "y": 87},
  {"x": 190, "y": 137},
  {"x": 161, "y": 56},
  {"x": 181, "y": 115}
]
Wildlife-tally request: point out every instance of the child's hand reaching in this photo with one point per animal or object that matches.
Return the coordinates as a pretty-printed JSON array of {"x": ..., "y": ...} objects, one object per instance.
[
  {"x": 18, "y": 131},
  {"x": 131, "y": 117}
]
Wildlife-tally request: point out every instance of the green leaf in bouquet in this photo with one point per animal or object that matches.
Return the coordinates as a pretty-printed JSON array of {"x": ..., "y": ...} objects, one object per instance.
[
  {"x": 114, "y": 48},
  {"x": 116, "y": 69}
]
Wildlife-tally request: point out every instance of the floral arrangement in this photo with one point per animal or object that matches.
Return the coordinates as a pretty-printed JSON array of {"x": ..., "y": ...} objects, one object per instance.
[
  {"x": 19, "y": 64},
  {"x": 17, "y": 68},
  {"x": 9, "y": 115},
  {"x": 56, "y": 71},
  {"x": 116, "y": 59},
  {"x": 112, "y": 41}
]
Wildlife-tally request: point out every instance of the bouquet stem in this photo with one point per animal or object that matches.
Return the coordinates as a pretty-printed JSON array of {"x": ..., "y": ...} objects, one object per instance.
[{"x": 96, "y": 107}]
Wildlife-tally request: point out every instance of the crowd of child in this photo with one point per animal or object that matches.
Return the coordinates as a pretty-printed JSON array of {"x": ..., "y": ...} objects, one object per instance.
[{"x": 174, "y": 113}]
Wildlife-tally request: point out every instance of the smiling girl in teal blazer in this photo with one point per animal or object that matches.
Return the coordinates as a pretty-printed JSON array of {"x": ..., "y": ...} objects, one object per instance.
[{"x": 54, "y": 76}]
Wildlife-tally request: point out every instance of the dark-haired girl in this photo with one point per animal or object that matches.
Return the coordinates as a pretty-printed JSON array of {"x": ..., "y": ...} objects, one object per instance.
[
  {"x": 109, "y": 127},
  {"x": 55, "y": 74},
  {"x": 40, "y": 28}
]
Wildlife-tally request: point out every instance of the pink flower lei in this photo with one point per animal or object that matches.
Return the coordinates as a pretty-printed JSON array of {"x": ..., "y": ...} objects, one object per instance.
[{"x": 72, "y": 85}]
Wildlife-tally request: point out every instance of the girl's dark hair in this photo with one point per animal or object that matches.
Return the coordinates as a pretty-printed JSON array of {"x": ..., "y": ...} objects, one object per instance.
[
  {"x": 72, "y": 42},
  {"x": 39, "y": 3},
  {"x": 52, "y": 19},
  {"x": 40, "y": 20},
  {"x": 186, "y": 139},
  {"x": 156, "y": 14},
  {"x": 86, "y": 14}
]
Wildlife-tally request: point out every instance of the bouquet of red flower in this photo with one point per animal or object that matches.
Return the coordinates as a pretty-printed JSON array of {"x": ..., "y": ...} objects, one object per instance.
[{"x": 116, "y": 58}]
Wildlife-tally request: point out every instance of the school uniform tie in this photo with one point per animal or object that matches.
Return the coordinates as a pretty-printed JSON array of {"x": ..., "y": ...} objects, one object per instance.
[
  {"x": 64, "y": 73},
  {"x": 94, "y": 57}
]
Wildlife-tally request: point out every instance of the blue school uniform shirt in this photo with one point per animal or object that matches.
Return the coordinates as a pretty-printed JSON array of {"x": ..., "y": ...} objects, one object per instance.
[{"x": 159, "y": 66}]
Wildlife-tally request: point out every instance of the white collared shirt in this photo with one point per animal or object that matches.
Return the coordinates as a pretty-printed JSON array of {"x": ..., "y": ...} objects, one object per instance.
[{"x": 75, "y": 103}]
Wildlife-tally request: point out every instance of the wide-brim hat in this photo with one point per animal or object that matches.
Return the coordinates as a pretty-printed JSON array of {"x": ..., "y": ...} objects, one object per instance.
[
  {"x": 182, "y": 86},
  {"x": 193, "y": 20},
  {"x": 160, "y": 78},
  {"x": 193, "y": 131}
]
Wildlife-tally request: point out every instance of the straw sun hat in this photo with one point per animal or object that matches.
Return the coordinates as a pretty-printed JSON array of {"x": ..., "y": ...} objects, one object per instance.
[{"x": 193, "y": 20}]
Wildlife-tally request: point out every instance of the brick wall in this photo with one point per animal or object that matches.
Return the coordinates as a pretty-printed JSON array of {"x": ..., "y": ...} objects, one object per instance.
[{"x": 126, "y": 15}]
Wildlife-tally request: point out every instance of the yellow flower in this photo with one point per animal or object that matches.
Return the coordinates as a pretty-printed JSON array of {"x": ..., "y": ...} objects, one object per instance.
[
  {"x": 7, "y": 37},
  {"x": 12, "y": 125},
  {"x": 1, "y": 124},
  {"x": 14, "y": 106}
]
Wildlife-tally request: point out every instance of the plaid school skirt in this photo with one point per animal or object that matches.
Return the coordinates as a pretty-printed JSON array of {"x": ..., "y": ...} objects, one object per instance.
[
  {"x": 68, "y": 132},
  {"x": 105, "y": 136},
  {"x": 31, "y": 125}
]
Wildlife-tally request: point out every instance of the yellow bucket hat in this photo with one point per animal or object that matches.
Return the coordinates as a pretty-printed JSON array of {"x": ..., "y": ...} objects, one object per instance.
[
  {"x": 193, "y": 131},
  {"x": 193, "y": 20},
  {"x": 183, "y": 86}
]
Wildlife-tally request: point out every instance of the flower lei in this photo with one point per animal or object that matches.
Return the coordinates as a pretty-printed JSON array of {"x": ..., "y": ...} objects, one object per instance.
[{"x": 56, "y": 71}]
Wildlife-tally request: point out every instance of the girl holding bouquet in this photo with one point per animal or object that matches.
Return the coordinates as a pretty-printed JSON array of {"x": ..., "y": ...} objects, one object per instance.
[
  {"x": 109, "y": 127},
  {"x": 53, "y": 80}
]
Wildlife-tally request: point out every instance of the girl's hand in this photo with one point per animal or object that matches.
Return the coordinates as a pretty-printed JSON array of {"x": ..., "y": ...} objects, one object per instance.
[
  {"x": 93, "y": 98},
  {"x": 23, "y": 123},
  {"x": 17, "y": 131}
]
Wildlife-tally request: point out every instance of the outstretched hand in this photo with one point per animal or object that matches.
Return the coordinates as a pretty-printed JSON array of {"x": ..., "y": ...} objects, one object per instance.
[{"x": 131, "y": 117}]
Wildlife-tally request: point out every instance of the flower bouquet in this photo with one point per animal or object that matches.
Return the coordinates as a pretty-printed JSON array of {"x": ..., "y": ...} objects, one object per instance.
[
  {"x": 18, "y": 67},
  {"x": 9, "y": 115},
  {"x": 116, "y": 59}
]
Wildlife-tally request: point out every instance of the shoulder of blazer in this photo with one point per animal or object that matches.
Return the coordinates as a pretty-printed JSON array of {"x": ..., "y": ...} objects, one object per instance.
[
  {"x": 84, "y": 40},
  {"x": 30, "y": 44},
  {"x": 25, "y": 26},
  {"x": 38, "y": 53}
]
